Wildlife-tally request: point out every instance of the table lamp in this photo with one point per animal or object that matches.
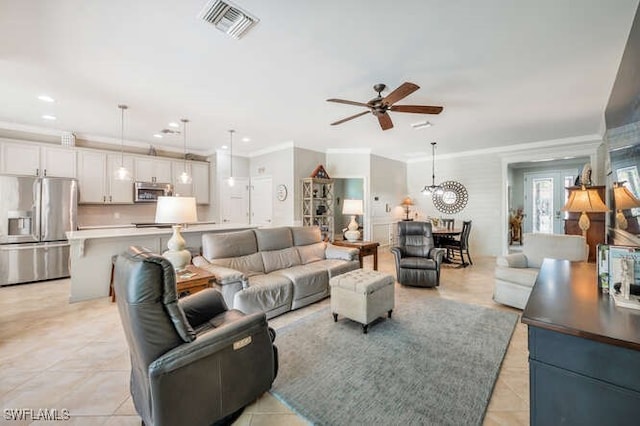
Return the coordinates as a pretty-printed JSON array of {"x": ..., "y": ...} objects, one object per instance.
[
  {"x": 354, "y": 208},
  {"x": 407, "y": 203},
  {"x": 177, "y": 211},
  {"x": 624, "y": 200},
  {"x": 585, "y": 200}
]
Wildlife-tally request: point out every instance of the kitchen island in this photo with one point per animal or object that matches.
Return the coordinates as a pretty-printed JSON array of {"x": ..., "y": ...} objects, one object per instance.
[{"x": 92, "y": 249}]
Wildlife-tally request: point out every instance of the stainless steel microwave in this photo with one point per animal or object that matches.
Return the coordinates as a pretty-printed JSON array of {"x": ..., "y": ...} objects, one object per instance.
[{"x": 148, "y": 192}]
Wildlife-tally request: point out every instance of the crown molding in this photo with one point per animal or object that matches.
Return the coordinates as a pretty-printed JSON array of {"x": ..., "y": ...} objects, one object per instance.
[
  {"x": 582, "y": 143},
  {"x": 348, "y": 151}
]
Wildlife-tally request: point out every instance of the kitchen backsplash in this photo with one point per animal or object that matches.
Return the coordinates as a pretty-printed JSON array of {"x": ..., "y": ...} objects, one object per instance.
[{"x": 124, "y": 214}]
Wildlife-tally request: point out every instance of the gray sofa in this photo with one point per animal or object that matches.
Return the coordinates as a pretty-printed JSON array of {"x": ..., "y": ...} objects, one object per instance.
[{"x": 273, "y": 270}]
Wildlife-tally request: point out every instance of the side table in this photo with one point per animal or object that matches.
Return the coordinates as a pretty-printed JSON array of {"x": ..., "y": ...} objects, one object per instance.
[
  {"x": 188, "y": 284},
  {"x": 365, "y": 248}
]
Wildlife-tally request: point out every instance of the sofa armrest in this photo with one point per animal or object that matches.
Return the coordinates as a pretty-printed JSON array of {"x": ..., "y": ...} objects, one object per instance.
[
  {"x": 200, "y": 307},
  {"x": 339, "y": 252},
  {"x": 222, "y": 275},
  {"x": 515, "y": 260}
]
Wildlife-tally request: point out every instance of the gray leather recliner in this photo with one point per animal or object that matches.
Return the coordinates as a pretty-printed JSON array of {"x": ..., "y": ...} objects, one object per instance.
[
  {"x": 417, "y": 259},
  {"x": 193, "y": 361}
]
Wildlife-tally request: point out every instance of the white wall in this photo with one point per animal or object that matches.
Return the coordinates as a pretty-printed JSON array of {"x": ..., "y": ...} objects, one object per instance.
[{"x": 481, "y": 176}]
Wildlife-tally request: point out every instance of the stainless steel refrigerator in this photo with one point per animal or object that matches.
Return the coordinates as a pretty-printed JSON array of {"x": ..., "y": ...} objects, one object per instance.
[{"x": 35, "y": 214}]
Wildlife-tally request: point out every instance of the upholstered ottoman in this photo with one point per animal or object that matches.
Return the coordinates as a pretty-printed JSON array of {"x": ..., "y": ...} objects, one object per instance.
[{"x": 362, "y": 295}]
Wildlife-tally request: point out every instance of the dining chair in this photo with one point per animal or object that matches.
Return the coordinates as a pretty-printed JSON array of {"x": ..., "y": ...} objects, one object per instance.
[
  {"x": 448, "y": 223},
  {"x": 460, "y": 246}
]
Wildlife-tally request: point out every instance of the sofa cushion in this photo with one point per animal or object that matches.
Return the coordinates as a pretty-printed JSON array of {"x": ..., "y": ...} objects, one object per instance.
[
  {"x": 339, "y": 252},
  {"x": 280, "y": 259},
  {"x": 265, "y": 293},
  {"x": 305, "y": 235},
  {"x": 307, "y": 280},
  {"x": 336, "y": 267},
  {"x": 250, "y": 264},
  {"x": 522, "y": 276},
  {"x": 273, "y": 238},
  {"x": 231, "y": 244},
  {"x": 312, "y": 252}
]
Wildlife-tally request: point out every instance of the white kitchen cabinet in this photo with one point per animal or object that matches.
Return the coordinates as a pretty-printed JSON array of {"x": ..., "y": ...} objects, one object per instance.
[
  {"x": 37, "y": 160},
  {"x": 58, "y": 161},
  {"x": 200, "y": 175},
  {"x": 119, "y": 191},
  {"x": 96, "y": 176},
  {"x": 199, "y": 186},
  {"x": 153, "y": 170},
  {"x": 181, "y": 189}
]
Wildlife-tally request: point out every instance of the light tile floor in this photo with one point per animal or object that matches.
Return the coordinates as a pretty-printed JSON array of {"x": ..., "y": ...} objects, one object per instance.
[{"x": 59, "y": 355}]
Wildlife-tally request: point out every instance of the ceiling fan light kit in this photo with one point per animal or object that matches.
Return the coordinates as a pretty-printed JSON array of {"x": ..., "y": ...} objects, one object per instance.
[{"x": 379, "y": 106}]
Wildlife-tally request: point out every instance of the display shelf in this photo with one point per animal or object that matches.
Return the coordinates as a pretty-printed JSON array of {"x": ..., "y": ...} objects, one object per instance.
[{"x": 318, "y": 205}]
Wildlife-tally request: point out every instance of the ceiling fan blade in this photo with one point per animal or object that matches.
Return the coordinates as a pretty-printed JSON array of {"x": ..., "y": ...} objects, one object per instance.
[
  {"x": 404, "y": 90},
  {"x": 417, "y": 109},
  {"x": 360, "y": 114},
  {"x": 343, "y": 101},
  {"x": 385, "y": 121}
]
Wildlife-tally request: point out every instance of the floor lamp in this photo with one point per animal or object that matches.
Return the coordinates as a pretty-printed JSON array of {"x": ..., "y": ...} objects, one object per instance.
[
  {"x": 177, "y": 211},
  {"x": 583, "y": 201}
]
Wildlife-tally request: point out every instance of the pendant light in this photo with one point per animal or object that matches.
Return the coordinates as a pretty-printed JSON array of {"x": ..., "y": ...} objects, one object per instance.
[
  {"x": 184, "y": 178},
  {"x": 433, "y": 188},
  {"x": 230, "y": 181},
  {"x": 122, "y": 173}
]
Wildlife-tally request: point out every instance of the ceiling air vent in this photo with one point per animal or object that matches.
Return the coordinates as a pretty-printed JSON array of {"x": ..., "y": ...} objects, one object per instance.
[{"x": 228, "y": 18}]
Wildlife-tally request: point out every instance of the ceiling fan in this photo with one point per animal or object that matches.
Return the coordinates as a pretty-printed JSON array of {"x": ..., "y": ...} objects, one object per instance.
[{"x": 379, "y": 105}]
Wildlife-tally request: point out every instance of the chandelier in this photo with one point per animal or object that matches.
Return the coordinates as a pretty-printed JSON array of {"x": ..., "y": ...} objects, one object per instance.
[{"x": 433, "y": 188}]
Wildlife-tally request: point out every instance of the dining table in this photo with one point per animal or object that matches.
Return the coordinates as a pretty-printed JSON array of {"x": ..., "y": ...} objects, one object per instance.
[{"x": 440, "y": 233}]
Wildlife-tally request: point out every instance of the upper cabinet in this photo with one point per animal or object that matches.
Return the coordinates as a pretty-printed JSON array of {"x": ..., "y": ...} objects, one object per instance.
[
  {"x": 199, "y": 186},
  {"x": 37, "y": 160},
  {"x": 200, "y": 175},
  {"x": 97, "y": 182},
  {"x": 152, "y": 169}
]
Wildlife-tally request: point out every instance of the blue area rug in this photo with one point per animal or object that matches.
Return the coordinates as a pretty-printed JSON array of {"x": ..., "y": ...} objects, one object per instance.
[{"x": 434, "y": 363}]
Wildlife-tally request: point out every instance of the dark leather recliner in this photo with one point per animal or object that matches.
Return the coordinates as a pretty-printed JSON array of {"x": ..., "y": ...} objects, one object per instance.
[
  {"x": 417, "y": 259},
  {"x": 193, "y": 361}
]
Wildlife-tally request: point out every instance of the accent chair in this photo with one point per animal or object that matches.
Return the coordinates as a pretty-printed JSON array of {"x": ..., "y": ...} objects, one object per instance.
[
  {"x": 417, "y": 259},
  {"x": 193, "y": 361}
]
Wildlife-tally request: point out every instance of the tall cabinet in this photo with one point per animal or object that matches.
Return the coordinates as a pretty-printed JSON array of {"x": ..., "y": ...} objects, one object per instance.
[
  {"x": 318, "y": 205},
  {"x": 596, "y": 232}
]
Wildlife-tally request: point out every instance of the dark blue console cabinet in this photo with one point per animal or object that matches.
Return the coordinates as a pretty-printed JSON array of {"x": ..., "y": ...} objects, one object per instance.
[{"x": 584, "y": 352}]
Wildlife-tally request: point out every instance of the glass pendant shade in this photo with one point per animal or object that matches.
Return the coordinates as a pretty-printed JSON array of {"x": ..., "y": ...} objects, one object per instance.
[
  {"x": 185, "y": 177},
  {"x": 122, "y": 173},
  {"x": 433, "y": 188}
]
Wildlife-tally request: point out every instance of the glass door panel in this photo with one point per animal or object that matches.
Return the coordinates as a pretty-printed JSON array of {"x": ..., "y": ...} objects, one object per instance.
[{"x": 542, "y": 215}]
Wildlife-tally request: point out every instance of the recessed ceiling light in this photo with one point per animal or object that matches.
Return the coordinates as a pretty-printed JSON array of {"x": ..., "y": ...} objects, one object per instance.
[
  {"x": 225, "y": 147},
  {"x": 49, "y": 117},
  {"x": 45, "y": 98},
  {"x": 174, "y": 125},
  {"x": 157, "y": 135},
  {"x": 246, "y": 139},
  {"x": 421, "y": 125}
]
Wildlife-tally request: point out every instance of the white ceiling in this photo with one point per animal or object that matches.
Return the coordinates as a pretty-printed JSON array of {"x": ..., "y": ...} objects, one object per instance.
[{"x": 506, "y": 71}]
